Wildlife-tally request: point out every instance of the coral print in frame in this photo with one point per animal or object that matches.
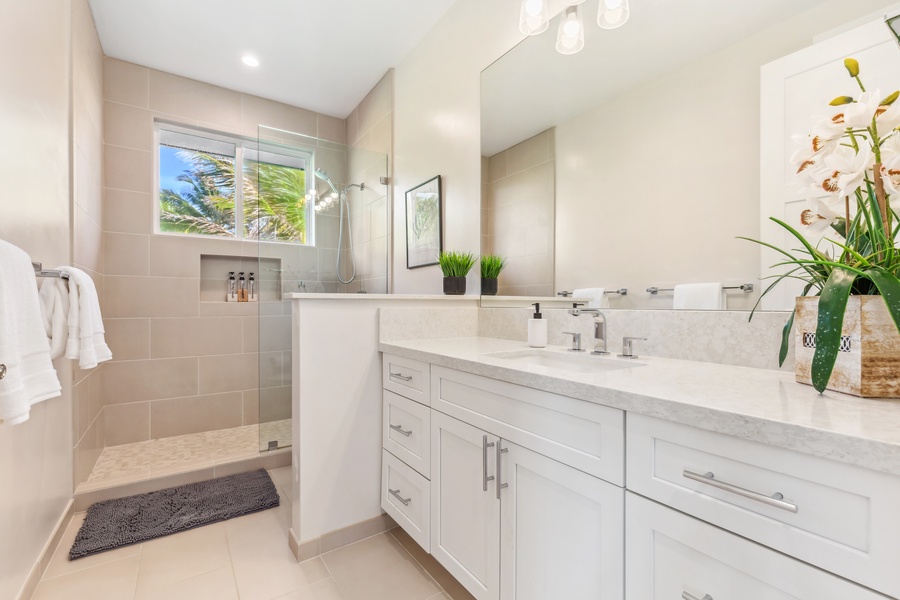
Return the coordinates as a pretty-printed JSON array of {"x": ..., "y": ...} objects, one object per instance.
[{"x": 423, "y": 224}]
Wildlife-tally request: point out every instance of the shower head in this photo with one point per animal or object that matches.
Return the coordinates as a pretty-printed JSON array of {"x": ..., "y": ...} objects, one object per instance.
[{"x": 323, "y": 175}]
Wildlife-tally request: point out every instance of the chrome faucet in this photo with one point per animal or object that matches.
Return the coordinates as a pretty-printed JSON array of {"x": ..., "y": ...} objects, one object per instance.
[
  {"x": 576, "y": 341},
  {"x": 627, "y": 350},
  {"x": 599, "y": 326}
]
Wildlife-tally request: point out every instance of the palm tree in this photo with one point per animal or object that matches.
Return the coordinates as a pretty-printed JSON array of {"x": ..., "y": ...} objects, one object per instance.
[{"x": 274, "y": 202}]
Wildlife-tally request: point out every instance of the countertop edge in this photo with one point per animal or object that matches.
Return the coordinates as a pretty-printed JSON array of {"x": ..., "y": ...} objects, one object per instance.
[{"x": 877, "y": 455}]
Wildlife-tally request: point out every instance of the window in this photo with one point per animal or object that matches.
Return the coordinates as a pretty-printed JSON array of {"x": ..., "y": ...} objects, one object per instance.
[{"x": 200, "y": 194}]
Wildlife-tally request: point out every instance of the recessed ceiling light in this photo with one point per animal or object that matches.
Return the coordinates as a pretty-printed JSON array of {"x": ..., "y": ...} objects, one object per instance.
[{"x": 250, "y": 61}]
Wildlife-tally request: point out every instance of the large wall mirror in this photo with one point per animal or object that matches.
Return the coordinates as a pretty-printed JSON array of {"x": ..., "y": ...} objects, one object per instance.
[{"x": 636, "y": 162}]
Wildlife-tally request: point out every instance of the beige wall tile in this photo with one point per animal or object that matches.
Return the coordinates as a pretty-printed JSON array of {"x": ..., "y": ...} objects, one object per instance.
[
  {"x": 332, "y": 129},
  {"x": 87, "y": 403},
  {"x": 127, "y": 169},
  {"x": 377, "y": 103},
  {"x": 88, "y": 181},
  {"x": 88, "y": 242},
  {"x": 130, "y": 297},
  {"x": 274, "y": 333},
  {"x": 196, "y": 337},
  {"x": 251, "y": 334},
  {"x": 174, "y": 256},
  {"x": 274, "y": 404},
  {"x": 352, "y": 126},
  {"x": 126, "y": 423},
  {"x": 126, "y": 83},
  {"x": 530, "y": 153},
  {"x": 127, "y": 212},
  {"x": 87, "y": 451},
  {"x": 180, "y": 416},
  {"x": 128, "y": 339},
  {"x": 498, "y": 166},
  {"x": 195, "y": 100},
  {"x": 86, "y": 43},
  {"x": 256, "y": 111},
  {"x": 126, "y": 254},
  {"x": 134, "y": 381},
  {"x": 381, "y": 135},
  {"x": 271, "y": 367},
  {"x": 127, "y": 126},
  {"x": 227, "y": 373},
  {"x": 251, "y": 407}
]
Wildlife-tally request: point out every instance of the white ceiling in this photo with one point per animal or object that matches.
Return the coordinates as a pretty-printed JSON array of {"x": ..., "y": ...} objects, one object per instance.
[
  {"x": 533, "y": 87},
  {"x": 323, "y": 55}
]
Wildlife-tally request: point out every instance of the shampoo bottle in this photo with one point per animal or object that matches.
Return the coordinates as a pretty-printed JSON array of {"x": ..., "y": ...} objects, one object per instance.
[
  {"x": 242, "y": 288},
  {"x": 537, "y": 329},
  {"x": 252, "y": 297},
  {"x": 231, "y": 295}
]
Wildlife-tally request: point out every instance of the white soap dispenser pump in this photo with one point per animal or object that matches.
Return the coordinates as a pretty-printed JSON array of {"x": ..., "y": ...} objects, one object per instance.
[{"x": 537, "y": 328}]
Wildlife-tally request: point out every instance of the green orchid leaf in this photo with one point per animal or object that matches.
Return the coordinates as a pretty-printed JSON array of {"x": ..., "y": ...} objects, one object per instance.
[
  {"x": 832, "y": 304},
  {"x": 889, "y": 286},
  {"x": 786, "y": 338}
]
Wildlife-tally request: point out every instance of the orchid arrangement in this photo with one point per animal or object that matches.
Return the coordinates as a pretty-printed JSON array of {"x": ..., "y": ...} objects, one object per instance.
[{"x": 849, "y": 167}]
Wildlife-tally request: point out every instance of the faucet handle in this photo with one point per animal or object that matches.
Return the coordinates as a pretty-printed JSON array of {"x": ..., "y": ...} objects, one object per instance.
[
  {"x": 576, "y": 341},
  {"x": 627, "y": 351}
]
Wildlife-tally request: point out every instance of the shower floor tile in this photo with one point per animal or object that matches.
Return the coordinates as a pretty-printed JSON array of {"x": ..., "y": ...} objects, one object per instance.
[{"x": 141, "y": 460}]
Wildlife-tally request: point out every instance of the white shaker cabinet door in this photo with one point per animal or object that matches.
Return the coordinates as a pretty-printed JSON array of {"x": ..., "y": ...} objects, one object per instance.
[
  {"x": 465, "y": 511},
  {"x": 562, "y": 530},
  {"x": 670, "y": 555}
]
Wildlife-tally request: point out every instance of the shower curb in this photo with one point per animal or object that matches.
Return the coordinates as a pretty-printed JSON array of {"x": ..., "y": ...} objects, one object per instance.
[{"x": 266, "y": 460}]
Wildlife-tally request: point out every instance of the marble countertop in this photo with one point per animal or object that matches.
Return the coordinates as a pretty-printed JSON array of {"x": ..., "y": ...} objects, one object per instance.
[{"x": 755, "y": 404}]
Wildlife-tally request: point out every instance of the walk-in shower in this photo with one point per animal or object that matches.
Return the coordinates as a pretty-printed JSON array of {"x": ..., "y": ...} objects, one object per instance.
[{"x": 341, "y": 197}]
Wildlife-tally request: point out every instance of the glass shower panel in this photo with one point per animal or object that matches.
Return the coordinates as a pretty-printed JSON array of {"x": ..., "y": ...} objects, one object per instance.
[{"x": 319, "y": 214}]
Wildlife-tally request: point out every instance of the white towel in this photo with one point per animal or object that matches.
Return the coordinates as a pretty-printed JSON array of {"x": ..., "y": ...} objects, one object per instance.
[
  {"x": 596, "y": 297},
  {"x": 699, "y": 296},
  {"x": 55, "y": 310},
  {"x": 29, "y": 376},
  {"x": 86, "y": 334}
]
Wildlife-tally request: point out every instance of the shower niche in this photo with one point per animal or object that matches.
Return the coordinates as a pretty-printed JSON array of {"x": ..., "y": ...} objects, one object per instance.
[{"x": 215, "y": 270}]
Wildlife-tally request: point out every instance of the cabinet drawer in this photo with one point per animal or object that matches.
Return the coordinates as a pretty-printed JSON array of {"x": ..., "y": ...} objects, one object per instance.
[
  {"x": 836, "y": 516},
  {"x": 406, "y": 431},
  {"x": 586, "y": 436},
  {"x": 407, "y": 377},
  {"x": 406, "y": 496},
  {"x": 671, "y": 555}
]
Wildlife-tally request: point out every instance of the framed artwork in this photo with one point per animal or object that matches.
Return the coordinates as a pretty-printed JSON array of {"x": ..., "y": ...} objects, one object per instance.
[{"x": 423, "y": 224}]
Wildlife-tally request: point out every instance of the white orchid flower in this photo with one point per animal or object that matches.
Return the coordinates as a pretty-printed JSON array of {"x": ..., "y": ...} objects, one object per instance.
[
  {"x": 851, "y": 168},
  {"x": 890, "y": 173},
  {"x": 888, "y": 118},
  {"x": 818, "y": 218},
  {"x": 859, "y": 114}
]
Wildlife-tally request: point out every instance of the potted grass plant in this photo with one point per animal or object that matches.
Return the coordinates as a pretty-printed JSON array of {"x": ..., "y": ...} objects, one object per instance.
[
  {"x": 848, "y": 320},
  {"x": 491, "y": 266},
  {"x": 455, "y": 266}
]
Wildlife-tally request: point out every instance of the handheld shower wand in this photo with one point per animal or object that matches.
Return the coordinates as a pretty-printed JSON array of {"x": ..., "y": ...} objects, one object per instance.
[{"x": 345, "y": 205}]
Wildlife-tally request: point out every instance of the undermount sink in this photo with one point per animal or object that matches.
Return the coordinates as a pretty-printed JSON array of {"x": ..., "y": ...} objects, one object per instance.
[{"x": 577, "y": 362}]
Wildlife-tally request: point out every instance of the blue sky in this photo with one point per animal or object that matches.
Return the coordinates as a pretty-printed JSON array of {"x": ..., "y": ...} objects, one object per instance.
[{"x": 170, "y": 167}]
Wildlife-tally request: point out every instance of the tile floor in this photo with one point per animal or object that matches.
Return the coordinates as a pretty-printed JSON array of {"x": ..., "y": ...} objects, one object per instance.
[
  {"x": 142, "y": 460},
  {"x": 246, "y": 559}
]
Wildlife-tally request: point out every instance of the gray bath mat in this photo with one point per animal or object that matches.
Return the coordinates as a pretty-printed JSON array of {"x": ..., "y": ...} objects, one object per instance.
[{"x": 114, "y": 523}]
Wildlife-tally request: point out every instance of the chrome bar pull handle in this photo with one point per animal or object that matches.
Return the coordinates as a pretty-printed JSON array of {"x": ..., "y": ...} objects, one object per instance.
[
  {"x": 399, "y": 429},
  {"x": 396, "y": 494},
  {"x": 776, "y": 499},
  {"x": 401, "y": 376},
  {"x": 484, "y": 476},
  {"x": 687, "y": 596},
  {"x": 500, "y": 486}
]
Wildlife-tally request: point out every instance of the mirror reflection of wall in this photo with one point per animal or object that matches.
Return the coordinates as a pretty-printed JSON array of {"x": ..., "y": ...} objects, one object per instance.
[
  {"x": 655, "y": 178},
  {"x": 519, "y": 207}
]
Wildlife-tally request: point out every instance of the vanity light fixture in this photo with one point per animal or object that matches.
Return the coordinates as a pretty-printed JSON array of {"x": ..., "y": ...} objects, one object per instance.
[
  {"x": 570, "y": 36},
  {"x": 612, "y": 13},
  {"x": 534, "y": 17},
  {"x": 893, "y": 23},
  {"x": 250, "y": 61}
]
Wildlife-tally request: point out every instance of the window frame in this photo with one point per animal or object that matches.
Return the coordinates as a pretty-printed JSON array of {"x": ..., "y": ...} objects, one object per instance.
[{"x": 241, "y": 144}]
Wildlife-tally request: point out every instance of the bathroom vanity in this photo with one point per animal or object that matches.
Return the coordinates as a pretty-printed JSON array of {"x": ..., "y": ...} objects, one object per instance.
[{"x": 545, "y": 474}]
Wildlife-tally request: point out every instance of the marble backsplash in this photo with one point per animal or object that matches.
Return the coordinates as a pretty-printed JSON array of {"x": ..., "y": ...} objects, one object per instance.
[{"x": 723, "y": 337}]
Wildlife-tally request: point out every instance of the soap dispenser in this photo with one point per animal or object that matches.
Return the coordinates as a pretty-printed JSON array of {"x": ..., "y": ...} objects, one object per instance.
[
  {"x": 231, "y": 295},
  {"x": 537, "y": 328}
]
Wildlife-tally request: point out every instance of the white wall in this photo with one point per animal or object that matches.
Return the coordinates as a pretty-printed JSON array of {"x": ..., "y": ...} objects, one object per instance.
[
  {"x": 337, "y": 409},
  {"x": 36, "y": 456}
]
